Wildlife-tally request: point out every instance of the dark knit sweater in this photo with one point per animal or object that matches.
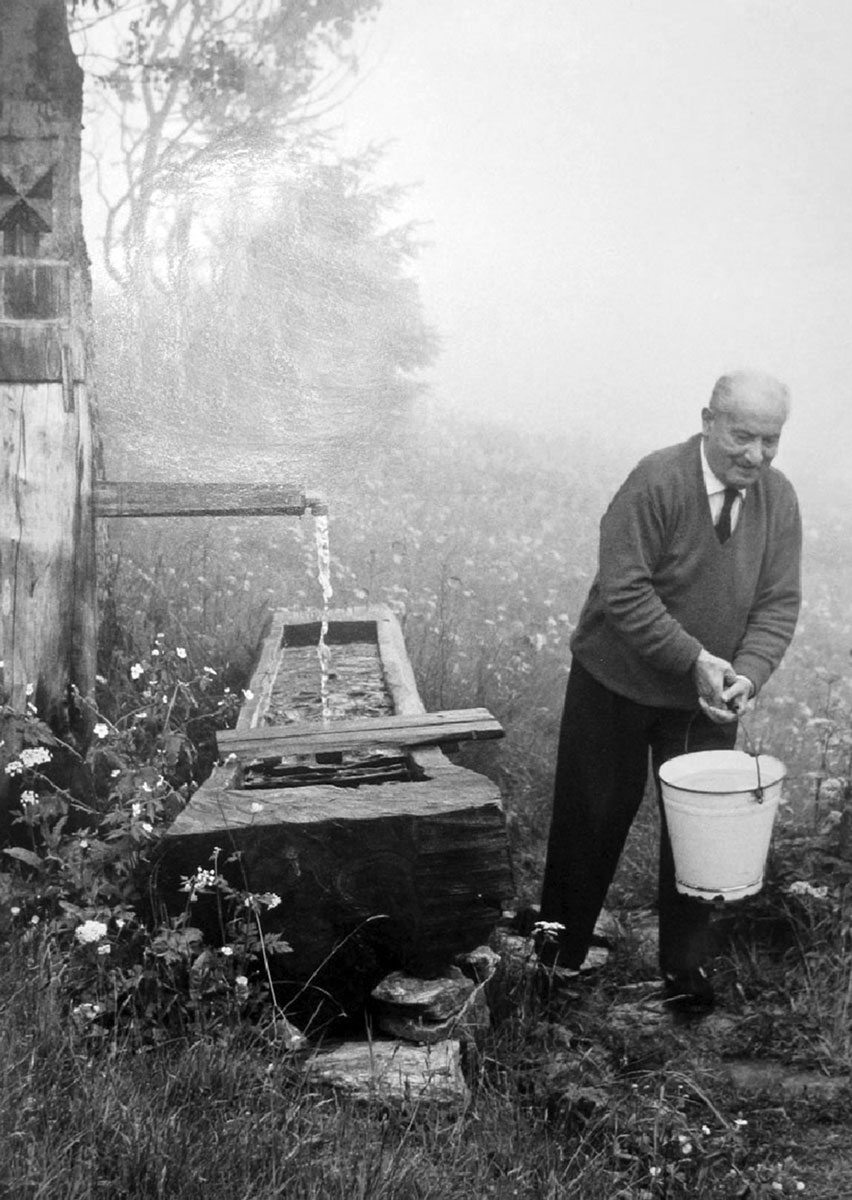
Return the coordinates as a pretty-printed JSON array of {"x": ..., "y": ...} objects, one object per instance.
[{"x": 666, "y": 587}]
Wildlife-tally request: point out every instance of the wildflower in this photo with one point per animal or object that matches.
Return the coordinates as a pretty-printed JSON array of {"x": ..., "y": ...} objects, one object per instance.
[
  {"x": 136, "y": 809},
  {"x": 248, "y": 693},
  {"x": 101, "y": 730},
  {"x": 34, "y": 920},
  {"x": 29, "y": 689},
  {"x": 197, "y": 882},
  {"x": 740, "y": 1122},
  {"x": 140, "y": 716},
  {"x": 256, "y": 807},
  {"x": 227, "y": 951},
  {"x": 100, "y": 679},
  {"x": 655, "y": 1172},
  {"x": 271, "y": 899},
  {"x": 180, "y": 651},
  {"x": 14, "y": 767},
  {"x": 28, "y": 799},
  {"x": 705, "y": 1129},
  {"x": 34, "y": 756},
  {"x": 801, "y": 887},
  {"x": 145, "y": 787},
  {"x": 87, "y": 1011},
  {"x": 120, "y": 922},
  {"x": 15, "y": 911},
  {"x": 115, "y": 774},
  {"x": 106, "y": 948},
  {"x": 84, "y": 844},
  {"x": 241, "y": 986},
  {"x": 209, "y": 671},
  {"x": 90, "y": 931},
  {"x": 548, "y": 927},
  {"x": 686, "y": 1148},
  {"x": 136, "y": 670},
  {"x": 155, "y": 652},
  {"x": 146, "y": 827}
]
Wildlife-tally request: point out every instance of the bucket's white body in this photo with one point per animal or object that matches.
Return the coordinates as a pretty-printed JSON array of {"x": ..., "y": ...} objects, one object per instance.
[{"x": 719, "y": 829}]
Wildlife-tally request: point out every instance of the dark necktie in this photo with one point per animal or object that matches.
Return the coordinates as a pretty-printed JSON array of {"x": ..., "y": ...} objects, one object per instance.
[{"x": 723, "y": 525}]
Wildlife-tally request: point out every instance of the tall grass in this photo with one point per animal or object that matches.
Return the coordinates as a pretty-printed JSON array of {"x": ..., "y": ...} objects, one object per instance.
[{"x": 484, "y": 546}]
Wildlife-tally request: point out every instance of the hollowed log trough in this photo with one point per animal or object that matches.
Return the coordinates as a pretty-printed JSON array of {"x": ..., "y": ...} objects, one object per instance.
[{"x": 386, "y": 855}]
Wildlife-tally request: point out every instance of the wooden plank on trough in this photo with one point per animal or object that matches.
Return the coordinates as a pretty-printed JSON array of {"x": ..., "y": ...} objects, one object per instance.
[
  {"x": 156, "y": 499},
  {"x": 417, "y": 729}
]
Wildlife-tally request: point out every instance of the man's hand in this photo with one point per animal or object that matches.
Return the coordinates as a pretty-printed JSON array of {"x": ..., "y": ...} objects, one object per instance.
[
  {"x": 713, "y": 677},
  {"x": 738, "y": 695}
]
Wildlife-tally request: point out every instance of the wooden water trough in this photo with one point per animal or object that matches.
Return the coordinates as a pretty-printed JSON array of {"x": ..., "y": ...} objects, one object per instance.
[{"x": 385, "y": 854}]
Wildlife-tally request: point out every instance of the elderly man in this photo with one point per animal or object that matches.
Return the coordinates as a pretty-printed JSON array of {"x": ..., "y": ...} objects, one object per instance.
[{"x": 693, "y": 606}]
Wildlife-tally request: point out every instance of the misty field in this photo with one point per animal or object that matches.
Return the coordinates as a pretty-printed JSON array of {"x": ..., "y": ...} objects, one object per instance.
[{"x": 483, "y": 543}]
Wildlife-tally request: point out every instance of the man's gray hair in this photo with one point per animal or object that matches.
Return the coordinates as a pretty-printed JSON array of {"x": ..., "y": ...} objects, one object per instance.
[{"x": 753, "y": 385}]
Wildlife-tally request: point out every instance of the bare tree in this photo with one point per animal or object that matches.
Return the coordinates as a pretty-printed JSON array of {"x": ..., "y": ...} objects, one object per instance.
[{"x": 193, "y": 87}]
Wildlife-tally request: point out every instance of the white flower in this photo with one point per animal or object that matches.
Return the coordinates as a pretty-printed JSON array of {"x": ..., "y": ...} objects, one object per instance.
[
  {"x": 14, "y": 767},
  {"x": 136, "y": 670},
  {"x": 209, "y": 671},
  {"x": 101, "y": 730},
  {"x": 801, "y": 887},
  {"x": 180, "y": 651},
  {"x": 203, "y": 878},
  {"x": 106, "y": 948},
  {"x": 28, "y": 799},
  {"x": 84, "y": 845},
  {"x": 33, "y": 756},
  {"x": 29, "y": 689},
  {"x": 241, "y": 982},
  {"x": 87, "y": 1011},
  {"x": 248, "y": 693},
  {"x": 90, "y": 931},
  {"x": 15, "y": 911},
  {"x": 227, "y": 951},
  {"x": 146, "y": 827},
  {"x": 115, "y": 774},
  {"x": 256, "y": 807},
  {"x": 136, "y": 809},
  {"x": 272, "y": 899},
  {"x": 155, "y": 652},
  {"x": 34, "y": 920}
]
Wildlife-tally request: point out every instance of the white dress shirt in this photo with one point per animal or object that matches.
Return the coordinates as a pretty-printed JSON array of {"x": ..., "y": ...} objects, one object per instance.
[{"x": 716, "y": 493}]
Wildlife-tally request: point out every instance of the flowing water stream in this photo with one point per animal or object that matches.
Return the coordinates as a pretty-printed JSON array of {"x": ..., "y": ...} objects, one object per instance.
[{"x": 324, "y": 579}]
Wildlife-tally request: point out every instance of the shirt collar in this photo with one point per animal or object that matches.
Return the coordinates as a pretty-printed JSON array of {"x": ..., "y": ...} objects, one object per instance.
[{"x": 712, "y": 482}]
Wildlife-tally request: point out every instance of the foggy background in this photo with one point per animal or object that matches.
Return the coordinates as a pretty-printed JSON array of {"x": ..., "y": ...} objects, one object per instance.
[
  {"x": 623, "y": 201},
  {"x": 618, "y": 202}
]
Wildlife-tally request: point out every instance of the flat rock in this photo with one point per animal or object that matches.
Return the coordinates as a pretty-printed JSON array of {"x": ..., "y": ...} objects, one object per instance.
[
  {"x": 429, "y": 999},
  {"x": 393, "y": 1071},
  {"x": 754, "y": 1076},
  {"x": 474, "y": 1017},
  {"x": 479, "y": 964}
]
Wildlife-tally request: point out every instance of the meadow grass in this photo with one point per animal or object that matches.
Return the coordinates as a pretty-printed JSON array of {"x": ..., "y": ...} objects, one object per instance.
[{"x": 467, "y": 539}]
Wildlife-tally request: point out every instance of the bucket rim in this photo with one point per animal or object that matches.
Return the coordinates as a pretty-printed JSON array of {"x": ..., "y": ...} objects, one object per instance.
[{"x": 760, "y": 783}]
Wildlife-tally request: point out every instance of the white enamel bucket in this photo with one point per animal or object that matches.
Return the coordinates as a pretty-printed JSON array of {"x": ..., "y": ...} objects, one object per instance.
[{"x": 720, "y": 807}]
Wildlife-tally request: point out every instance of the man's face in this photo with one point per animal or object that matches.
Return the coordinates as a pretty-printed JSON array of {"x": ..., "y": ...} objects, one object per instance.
[{"x": 740, "y": 444}]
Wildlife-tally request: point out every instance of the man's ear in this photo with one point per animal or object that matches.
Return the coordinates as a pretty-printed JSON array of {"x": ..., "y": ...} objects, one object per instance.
[{"x": 706, "y": 419}]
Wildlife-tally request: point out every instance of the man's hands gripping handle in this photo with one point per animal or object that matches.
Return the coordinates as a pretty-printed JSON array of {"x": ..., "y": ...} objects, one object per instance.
[{"x": 722, "y": 694}]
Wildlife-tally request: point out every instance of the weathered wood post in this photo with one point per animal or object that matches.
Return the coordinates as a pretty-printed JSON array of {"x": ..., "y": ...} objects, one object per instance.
[{"x": 47, "y": 546}]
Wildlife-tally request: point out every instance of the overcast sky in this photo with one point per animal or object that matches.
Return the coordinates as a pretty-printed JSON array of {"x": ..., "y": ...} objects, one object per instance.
[{"x": 624, "y": 200}]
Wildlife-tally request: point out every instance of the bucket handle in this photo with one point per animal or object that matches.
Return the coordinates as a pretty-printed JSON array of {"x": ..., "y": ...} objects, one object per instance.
[{"x": 758, "y": 791}]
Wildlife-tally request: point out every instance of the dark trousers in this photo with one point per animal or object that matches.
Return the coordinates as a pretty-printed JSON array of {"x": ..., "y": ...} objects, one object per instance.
[{"x": 601, "y": 773}]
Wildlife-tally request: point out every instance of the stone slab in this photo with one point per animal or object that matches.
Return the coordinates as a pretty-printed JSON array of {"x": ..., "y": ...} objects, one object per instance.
[{"x": 393, "y": 1071}]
